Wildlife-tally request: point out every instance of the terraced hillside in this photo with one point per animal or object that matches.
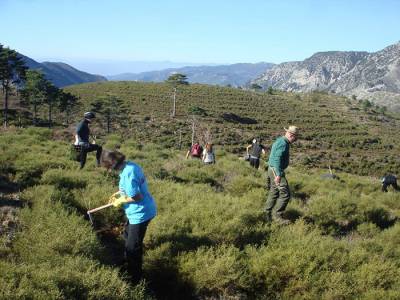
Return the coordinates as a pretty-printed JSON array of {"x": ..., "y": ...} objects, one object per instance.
[{"x": 345, "y": 134}]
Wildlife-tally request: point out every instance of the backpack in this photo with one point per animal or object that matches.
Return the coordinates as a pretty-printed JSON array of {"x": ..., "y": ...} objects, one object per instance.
[
  {"x": 196, "y": 150},
  {"x": 75, "y": 153}
]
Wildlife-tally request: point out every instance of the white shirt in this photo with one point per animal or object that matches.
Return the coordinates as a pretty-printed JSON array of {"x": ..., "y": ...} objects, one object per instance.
[{"x": 208, "y": 157}]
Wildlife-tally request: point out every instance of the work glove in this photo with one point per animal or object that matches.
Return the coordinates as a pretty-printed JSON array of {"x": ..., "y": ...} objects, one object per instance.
[{"x": 118, "y": 199}]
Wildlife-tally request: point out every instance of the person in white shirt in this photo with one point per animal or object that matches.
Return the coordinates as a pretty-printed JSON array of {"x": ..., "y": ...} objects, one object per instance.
[{"x": 208, "y": 156}]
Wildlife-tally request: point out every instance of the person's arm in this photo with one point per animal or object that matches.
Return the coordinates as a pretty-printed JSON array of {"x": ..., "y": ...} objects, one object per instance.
[
  {"x": 79, "y": 130},
  {"x": 137, "y": 197},
  {"x": 247, "y": 149},
  {"x": 277, "y": 178},
  {"x": 131, "y": 186},
  {"x": 263, "y": 151},
  {"x": 276, "y": 160}
]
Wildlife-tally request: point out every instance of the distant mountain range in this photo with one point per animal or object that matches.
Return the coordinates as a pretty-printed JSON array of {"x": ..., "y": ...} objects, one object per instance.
[
  {"x": 234, "y": 75},
  {"x": 373, "y": 76},
  {"x": 61, "y": 74}
]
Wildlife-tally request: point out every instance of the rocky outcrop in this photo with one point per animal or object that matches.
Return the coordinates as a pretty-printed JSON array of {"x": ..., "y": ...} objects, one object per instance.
[{"x": 374, "y": 76}]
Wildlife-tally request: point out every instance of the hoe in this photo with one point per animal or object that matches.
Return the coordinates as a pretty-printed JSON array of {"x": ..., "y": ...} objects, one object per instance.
[{"x": 113, "y": 197}]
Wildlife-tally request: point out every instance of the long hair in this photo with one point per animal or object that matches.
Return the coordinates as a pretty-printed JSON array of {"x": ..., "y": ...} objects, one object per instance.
[
  {"x": 209, "y": 147},
  {"x": 111, "y": 159}
]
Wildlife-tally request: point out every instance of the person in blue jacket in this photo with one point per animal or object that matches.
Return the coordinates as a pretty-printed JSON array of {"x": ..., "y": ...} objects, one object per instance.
[{"x": 138, "y": 204}]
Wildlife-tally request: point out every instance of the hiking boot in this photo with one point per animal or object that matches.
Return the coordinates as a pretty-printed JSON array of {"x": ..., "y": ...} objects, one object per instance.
[{"x": 268, "y": 217}]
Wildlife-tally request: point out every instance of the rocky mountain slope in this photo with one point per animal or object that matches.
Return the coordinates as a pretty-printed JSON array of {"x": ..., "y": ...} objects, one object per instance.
[{"x": 373, "y": 76}]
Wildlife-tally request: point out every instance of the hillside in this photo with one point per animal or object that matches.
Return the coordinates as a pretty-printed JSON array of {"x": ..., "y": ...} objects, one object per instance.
[
  {"x": 374, "y": 76},
  {"x": 335, "y": 131},
  {"x": 209, "y": 240},
  {"x": 61, "y": 74},
  {"x": 234, "y": 75}
]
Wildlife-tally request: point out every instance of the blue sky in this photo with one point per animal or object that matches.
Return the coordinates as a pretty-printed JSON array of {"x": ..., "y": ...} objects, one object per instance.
[{"x": 97, "y": 32}]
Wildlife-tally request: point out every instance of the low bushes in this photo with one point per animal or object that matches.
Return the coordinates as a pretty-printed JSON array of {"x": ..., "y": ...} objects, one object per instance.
[{"x": 209, "y": 238}]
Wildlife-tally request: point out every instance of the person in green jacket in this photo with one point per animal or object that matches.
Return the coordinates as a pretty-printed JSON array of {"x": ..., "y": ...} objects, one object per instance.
[{"x": 279, "y": 192}]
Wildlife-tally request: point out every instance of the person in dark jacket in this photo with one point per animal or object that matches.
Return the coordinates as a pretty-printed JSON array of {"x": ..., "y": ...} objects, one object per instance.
[
  {"x": 389, "y": 180},
  {"x": 256, "y": 150},
  {"x": 82, "y": 139},
  {"x": 279, "y": 192}
]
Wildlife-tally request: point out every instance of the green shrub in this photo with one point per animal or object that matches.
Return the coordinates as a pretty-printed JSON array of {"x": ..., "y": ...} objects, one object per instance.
[
  {"x": 209, "y": 239},
  {"x": 335, "y": 212},
  {"x": 74, "y": 278},
  {"x": 223, "y": 270}
]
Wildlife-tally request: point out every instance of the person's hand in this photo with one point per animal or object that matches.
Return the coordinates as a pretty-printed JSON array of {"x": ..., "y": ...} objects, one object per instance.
[
  {"x": 118, "y": 199},
  {"x": 118, "y": 202},
  {"x": 277, "y": 180}
]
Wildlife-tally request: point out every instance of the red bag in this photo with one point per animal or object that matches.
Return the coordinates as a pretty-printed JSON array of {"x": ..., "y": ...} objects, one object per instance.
[{"x": 196, "y": 150}]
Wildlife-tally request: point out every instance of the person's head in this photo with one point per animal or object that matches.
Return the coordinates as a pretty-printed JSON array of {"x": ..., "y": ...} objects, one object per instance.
[
  {"x": 89, "y": 116},
  {"x": 112, "y": 160},
  {"x": 292, "y": 133},
  {"x": 209, "y": 147}
]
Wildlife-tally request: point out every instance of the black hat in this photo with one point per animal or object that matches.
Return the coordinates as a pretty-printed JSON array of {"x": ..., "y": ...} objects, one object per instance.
[{"x": 89, "y": 115}]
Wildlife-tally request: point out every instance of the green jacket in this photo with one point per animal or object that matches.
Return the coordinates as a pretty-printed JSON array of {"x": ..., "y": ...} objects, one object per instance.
[{"x": 279, "y": 156}]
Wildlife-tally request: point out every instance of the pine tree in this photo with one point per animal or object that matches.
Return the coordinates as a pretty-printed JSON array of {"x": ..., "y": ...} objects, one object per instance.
[
  {"x": 34, "y": 92},
  {"x": 66, "y": 104},
  {"x": 51, "y": 98},
  {"x": 112, "y": 109},
  {"x": 12, "y": 73},
  {"x": 175, "y": 80}
]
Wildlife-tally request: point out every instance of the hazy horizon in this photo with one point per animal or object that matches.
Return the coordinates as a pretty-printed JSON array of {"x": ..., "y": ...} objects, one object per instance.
[
  {"x": 112, "y": 35},
  {"x": 108, "y": 67}
]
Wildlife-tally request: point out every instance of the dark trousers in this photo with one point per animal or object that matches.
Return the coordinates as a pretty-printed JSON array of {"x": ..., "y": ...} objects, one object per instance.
[
  {"x": 254, "y": 162},
  {"x": 134, "y": 235},
  {"x": 90, "y": 148},
  {"x": 385, "y": 186}
]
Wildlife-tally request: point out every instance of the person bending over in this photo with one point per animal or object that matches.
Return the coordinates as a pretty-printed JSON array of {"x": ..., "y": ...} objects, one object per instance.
[
  {"x": 138, "y": 205},
  {"x": 389, "y": 180}
]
